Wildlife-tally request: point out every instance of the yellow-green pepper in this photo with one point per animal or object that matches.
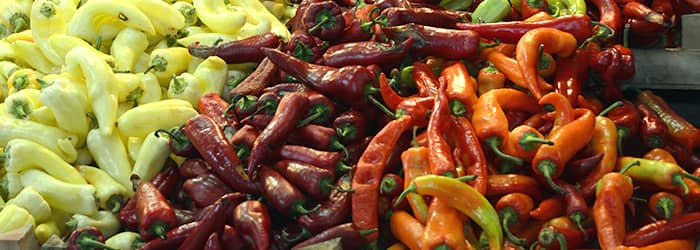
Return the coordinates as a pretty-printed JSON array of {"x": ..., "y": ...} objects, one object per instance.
[
  {"x": 14, "y": 217},
  {"x": 56, "y": 225},
  {"x": 10, "y": 185},
  {"x": 219, "y": 16},
  {"x": 109, "y": 193},
  {"x": 105, "y": 221},
  {"x": 151, "y": 157},
  {"x": 32, "y": 201},
  {"x": 213, "y": 72},
  {"x": 110, "y": 155},
  {"x": 72, "y": 198},
  {"x": 125, "y": 241},
  {"x": 21, "y": 104},
  {"x": 186, "y": 87},
  {"x": 50, "y": 17},
  {"x": 147, "y": 118},
  {"x": 62, "y": 44},
  {"x": 103, "y": 19},
  {"x": 168, "y": 61}
]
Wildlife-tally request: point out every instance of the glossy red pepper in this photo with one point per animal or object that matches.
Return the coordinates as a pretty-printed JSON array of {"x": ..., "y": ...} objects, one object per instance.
[
  {"x": 610, "y": 15},
  {"x": 440, "y": 42},
  {"x": 532, "y": 7},
  {"x": 244, "y": 106},
  {"x": 317, "y": 137},
  {"x": 205, "y": 189},
  {"x": 351, "y": 237},
  {"x": 351, "y": 126},
  {"x": 637, "y": 10},
  {"x": 290, "y": 111},
  {"x": 213, "y": 242},
  {"x": 664, "y": 205},
  {"x": 264, "y": 75},
  {"x": 652, "y": 129},
  {"x": 467, "y": 142},
  {"x": 193, "y": 167},
  {"x": 461, "y": 88},
  {"x": 173, "y": 239},
  {"x": 324, "y": 19},
  {"x": 426, "y": 81},
  {"x": 571, "y": 75},
  {"x": 346, "y": 54},
  {"x": 242, "y": 141},
  {"x": 213, "y": 221},
  {"x": 86, "y": 238},
  {"x": 613, "y": 65},
  {"x": 210, "y": 141},
  {"x": 679, "y": 129},
  {"x": 391, "y": 186},
  {"x": 322, "y": 110},
  {"x": 252, "y": 220},
  {"x": 315, "y": 181},
  {"x": 179, "y": 144},
  {"x": 511, "y": 32},
  {"x": 576, "y": 207},
  {"x": 283, "y": 195},
  {"x": 359, "y": 23},
  {"x": 328, "y": 160},
  {"x": 562, "y": 231},
  {"x": 333, "y": 211},
  {"x": 212, "y": 105},
  {"x": 418, "y": 108},
  {"x": 424, "y": 16},
  {"x": 680, "y": 226},
  {"x": 154, "y": 214},
  {"x": 304, "y": 46},
  {"x": 350, "y": 84},
  {"x": 627, "y": 119},
  {"x": 166, "y": 181},
  {"x": 514, "y": 209},
  {"x": 440, "y": 156},
  {"x": 549, "y": 208},
  {"x": 231, "y": 239},
  {"x": 239, "y": 51}
]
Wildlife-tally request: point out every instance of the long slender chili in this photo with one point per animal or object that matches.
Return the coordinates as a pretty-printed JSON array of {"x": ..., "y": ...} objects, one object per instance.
[
  {"x": 366, "y": 53},
  {"x": 441, "y": 162},
  {"x": 440, "y": 42},
  {"x": 333, "y": 211},
  {"x": 467, "y": 141},
  {"x": 264, "y": 75},
  {"x": 511, "y": 32},
  {"x": 283, "y": 195},
  {"x": 213, "y": 221},
  {"x": 240, "y": 51}
]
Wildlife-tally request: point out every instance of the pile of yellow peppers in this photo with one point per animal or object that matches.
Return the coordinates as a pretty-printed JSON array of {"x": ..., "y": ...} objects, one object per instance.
[{"x": 85, "y": 82}]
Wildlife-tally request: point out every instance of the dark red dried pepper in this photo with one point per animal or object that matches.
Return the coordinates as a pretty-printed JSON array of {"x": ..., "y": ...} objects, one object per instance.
[{"x": 239, "y": 51}]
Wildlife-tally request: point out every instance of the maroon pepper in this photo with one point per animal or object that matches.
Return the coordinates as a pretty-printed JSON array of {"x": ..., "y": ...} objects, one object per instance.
[
  {"x": 289, "y": 112},
  {"x": 86, "y": 238},
  {"x": 185, "y": 216},
  {"x": 314, "y": 181},
  {"x": 283, "y": 88},
  {"x": 179, "y": 144},
  {"x": 212, "y": 222},
  {"x": 264, "y": 75},
  {"x": 571, "y": 75},
  {"x": 333, "y": 211},
  {"x": 351, "y": 126},
  {"x": 295, "y": 22},
  {"x": 282, "y": 195},
  {"x": 679, "y": 226},
  {"x": 165, "y": 181},
  {"x": 231, "y": 239},
  {"x": 324, "y": 20},
  {"x": 510, "y": 32},
  {"x": 627, "y": 119},
  {"x": 318, "y": 137},
  {"x": 243, "y": 105},
  {"x": 610, "y": 15},
  {"x": 154, "y": 214},
  {"x": 425, "y": 16},
  {"x": 652, "y": 129},
  {"x": 350, "y": 84},
  {"x": 243, "y": 140},
  {"x": 328, "y": 160},
  {"x": 366, "y": 53},
  {"x": 580, "y": 168},
  {"x": 205, "y": 189},
  {"x": 193, "y": 167},
  {"x": 212, "y": 105},
  {"x": 239, "y": 51},
  {"x": 351, "y": 238},
  {"x": 252, "y": 220},
  {"x": 213, "y": 242},
  {"x": 576, "y": 207},
  {"x": 440, "y": 42},
  {"x": 209, "y": 140},
  {"x": 304, "y": 46},
  {"x": 322, "y": 109},
  {"x": 258, "y": 121},
  {"x": 173, "y": 239}
]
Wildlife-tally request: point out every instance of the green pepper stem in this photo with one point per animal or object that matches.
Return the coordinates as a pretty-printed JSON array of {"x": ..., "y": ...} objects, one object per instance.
[
  {"x": 629, "y": 165},
  {"x": 20, "y": 109},
  {"x": 336, "y": 145},
  {"x": 159, "y": 229},
  {"x": 316, "y": 113},
  {"x": 547, "y": 236},
  {"x": 610, "y": 108},
  {"x": 443, "y": 246},
  {"x": 388, "y": 184},
  {"x": 89, "y": 241},
  {"x": 626, "y": 35},
  {"x": 115, "y": 203},
  {"x": 494, "y": 143},
  {"x": 655, "y": 141},
  {"x": 381, "y": 106},
  {"x": 678, "y": 181},
  {"x": 414, "y": 141},
  {"x": 530, "y": 140},
  {"x": 665, "y": 206},
  {"x": 20, "y": 21},
  {"x": 547, "y": 168},
  {"x": 366, "y": 232},
  {"x": 457, "y": 108},
  {"x": 691, "y": 177},
  {"x": 541, "y": 63},
  {"x": 326, "y": 185},
  {"x": 622, "y": 133},
  {"x": 298, "y": 207},
  {"x": 483, "y": 45},
  {"x": 577, "y": 217},
  {"x": 341, "y": 167},
  {"x": 346, "y": 131},
  {"x": 411, "y": 189},
  {"x": 242, "y": 151},
  {"x": 71, "y": 224},
  {"x": 509, "y": 218},
  {"x": 466, "y": 178},
  {"x": 406, "y": 75},
  {"x": 305, "y": 233},
  {"x": 324, "y": 20}
]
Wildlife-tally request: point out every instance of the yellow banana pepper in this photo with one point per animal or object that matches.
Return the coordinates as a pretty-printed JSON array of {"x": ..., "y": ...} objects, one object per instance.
[
  {"x": 32, "y": 201},
  {"x": 25, "y": 35},
  {"x": 219, "y": 16},
  {"x": 105, "y": 18},
  {"x": 72, "y": 198},
  {"x": 142, "y": 63},
  {"x": 257, "y": 9},
  {"x": 58, "y": 141},
  {"x": 21, "y": 104},
  {"x": 69, "y": 105},
  {"x": 150, "y": 117},
  {"x": 151, "y": 89},
  {"x": 187, "y": 11},
  {"x": 105, "y": 221},
  {"x": 165, "y": 18},
  {"x": 23, "y": 79},
  {"x": 22, "y": 154},
  {"x": 186, "y": 87},
  {"x": 151, "y": 157},
  {"x": 125, "y": 241},
  {"x": 127, "y": 47},
  {"x": 133, "y": 146},
  {"x": 168, "y": 61},
  {"x": 29, "y": 53},
  {"x": 126, "y": 83},
  {"x": 62, "y": 44},
  {"x": 14, "y": 217},
  {"x": 99, "y": 79},
  {"x": 213, "y": 71},
  {"x": 109, "y": 193},
  {"x": 10, "y": 185},
  {"x": 16, "y": 14},
  {"x": 84, "y": 157},
  {"x": 206, "y": 38},
  {"x": 56, "y": 225},
  {"x": 110, "y": 155},
  {"x": 6, "y": 51},
  {"x": 50, "y": 17},
  {"x": 275, "y": 8}
]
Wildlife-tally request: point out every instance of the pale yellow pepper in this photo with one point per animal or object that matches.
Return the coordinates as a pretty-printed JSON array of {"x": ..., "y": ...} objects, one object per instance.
[
  {"x": 153, "y": 153},
  {"x": 213, "y": 72},
  {"x": 187, "y": 11},
  {"x": 103, "y": 19},
  {"x": 219, "y": 16},
  {"x": 127, "y": 47},
  {"x": 14, "y": 217},
  {"x": 32, "y": 201},
  {"x": 110, "y": 194},
  {"x": 72, "y": 198},
  {"x": 50, "y": 17},
  {"x": 168, "y": 61},
  {"x": 22, "y": 154},
  {"x": 165, "y": 18},
  {"x": 110, "y": 155},
  {"x": 186, "y": 87},
  {"x": 57, "y": 140},
  {"x": 151, "y": 89},
  {"x": 62, "y": 44},
  {"x": 23, "y": 79},
  {"x": 69, "y": 105},
  {"x": 29, "y": 53},
  {"x": 147, "y": 118},
  {"x": 105, "y": 221}
]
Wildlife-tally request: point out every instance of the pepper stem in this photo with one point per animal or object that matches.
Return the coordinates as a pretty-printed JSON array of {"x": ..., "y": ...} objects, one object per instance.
[
  {"x": 508, "y": 218},
  {"x": 610, "y": 108},
  {"x": 20, "y": 109},
  {"x": 622, "y": 134},
  {"x": 341, "y": 167},
  {"x": 483, "y": 45},
  {"x": 159, "y": 229},
  {"x": 530, "y": 140},
  {"x": 541, "y": 63},
  {"x": 366, "y": 232},
  {"x": 388, "y": 185},
  {"x": 303, "y": 234},
  {"x": 457, "y": 108},
  {"x": 666, "y": 206},
  {"x": 547, "y": 236},
  {"x": 691, "y": 177},
  {"x": 336, "y": 145},
  {"x": 406, "y": 75},
  {"x": 678, "y": 181},
  {"x": 443, "y": 246},
  {"x": 19, "y": 21},
  {"x": 71, "y": 224},
  {"x": 577, "y": 217},
  {"x": 466, "y": 178},
  {"x": 115, "y": 203},
  {"x": 495, "y": 142},
  {"x": 242, "y": 151},
  {"x": 325, "y": 16},
  {"x": 88, "y": 241},
  {"x": 299, "y": 208},
  {"x": 414, "y": 141},
  {"x": 346, "y": 131},
  {"x": 547, "y": 168},
  {"x": 316, "y": 113},
  {"x": 381, "y": 106},
  {"x": 410, "y": 189}
]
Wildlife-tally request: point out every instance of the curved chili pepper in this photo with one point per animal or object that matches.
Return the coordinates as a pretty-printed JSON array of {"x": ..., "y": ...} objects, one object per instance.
[
  {"x": 653, "y": 131},
  {"x": 351, "y": 237},
  {"x": 637, "y": 10},
  {"x": 371, "y": 53},
  {"x": 154, "y": 214},
  {"x": 560, "y": 233},
  {"x": 368, "y": 173},
  {"x": 612, "y": 192},
  {"x": 359, "y": 23},
  {"x": 244, "y": 106},
  {"x": 350, "y": 83},
  {"x": 426, "y": 81},
  {"x": 205, "y": 189},
  {"x": 490, "y": 78},
  {"x": 461, "y": 88},
  {"x": 193, "y": 167},
  {"x": 165, "y": 181},
  {"x": 333, "y": 211},
  {"x": 604, "y": 141},
  {"x": 284, "y": 88},
  {"x": 444, "y": 227},
  {"x": 693, "y": 196},
  {"x": 549, "y": 161},
  {"x": 314, "y": 181},
  {"x": 406, "y": 228},
  {"x": 582, "y": 166},
  {"x": 212, "y": 105},
  {"x": 391, "y": 186},
  {"x": 467, "y": 141},
  {"x": 328, "y": 160},
  {"x": 610, "y": 15},
  {"x": 252, "y": 220},
  {"x": 324, "y": 20},
  {"x": 571, "y": 74},
  {"x": 549, "y": 208},
  {"x": 242, "y": 141},
  {"x": 563, "y": 111},
  {"x": 509, "y": 67},
  {"x": 321, "y": 110},
  {"x": 513, "y": 209},
  {"x": 210, "y": 141},
  {"x": 86, "y": 238},
  {"x": 664, "y": 205},
  {"x": 179, "y": 144},
  {"x": 576, "y": 207},
  {"x": 680, "y": 226},
  {"x": 264, "y": 75},
  {"x": 283, "y": 195},
  {"x": 679, "y": 129},
  {"x": 440, "y": 42},
  {"x": 661, "y": 174},
  {"x": 440, "y": 157},
  {"x": 424, "y": 16},
  {"x": 418, "y": 108},
  {"x": 389, "y": 96},
  {"x": 318, "y": 137},
  {"x": 213, "y": 221},
  {"x": 239, "y": 51},
  {"x": 555, "y": 41},
  {"x": 490, "y": 122},
  {"x": 511, "y": 32},
  {"x": 523, "y": 141},
  {"x": 501, "y": 184},
  {"x": 415, "y": 163},
  {"x": 289, "y": 113},
  {"x": 351, "y": 126}
]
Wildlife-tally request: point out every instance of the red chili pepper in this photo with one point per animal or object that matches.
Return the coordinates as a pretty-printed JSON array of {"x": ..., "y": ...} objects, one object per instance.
[
  {"x": 346, "y": 54},
  {"x": 680, "y": 226},
  {"x": 664, "y": 205},
  {"x": 324, "y": 19},
  {"x": 424, "y": 16},
  {"x": 612, "y": 192},
  {"x": 509, "y": 67},
  {"x": 244, "y": 106},
  {"x": 173, "y": 239},
  {"x": 627, "y": 120},
  {"x": 86, "y": 238},
  {"x": 210, "y": 141},
  {"x": 154, "y": 214},
  {"x": 426, "y": 81},
  {"x": 331, "y": 161},
  {"x": 563, "y": 111},
  {"x": 613, "y": 65},
  {"x": 288, "y": 114},
  {"x": 239, "y": 51},
  {"x": 368, "y": 174},
  {"x": 350, "y": 235},
  {"x": 679, "y": 129},
  {"x": 351, "y": 126},
  {"x": 282, "y": 194},
  {"x": 389, "y": 96},
  {"x": 560, "y": 233},
  {"x": 637, "y": 10},
  {"x": 213, "y": 242},
  {"x": 571, "y": 74},
  {"x": 549, "y": 208},
  {"x": 645, "y": 30},
  {"x": 467, "y": 141},
  {"x": 554, "y": 41},
  {"x": 193, "y": 167},
  {"x": 317, "y": 137},
  {"x": 511, "y": 32},
  {"x": 166, "y": 181},
  {"x": 461, "y": 88},
  {"x": 514, "y": 209},
  {"x": 532, "y": 7},
  {"x": 652, "y": 129},
  {"x": 212, "y": 105},
  {"x": 252, "y": 220},
  {"x": 501, "y": 184},
  {"x": 204, "y": 190},
  {"x": 304, "y": 46},
  {"x": 264, "y": 75},
  {"x": 231, "y": 239},
  {"x": 333, "y": 211},
  {"x": 441, "y": 162},
  {"x": 314, "y": 181},
  {"x": 213, "y": 221},
  {"x": 359, "y": 23},
  {"x": 179, "y": 144},
  {"x": 440, "y": 42},
  {"x": 350, "y": 84},
  {"x": 576, "y": 207},
  {"x": 582, "y": 166},
  {"x": 610, "y": 15},
  {"x": 391, "y": 186}
]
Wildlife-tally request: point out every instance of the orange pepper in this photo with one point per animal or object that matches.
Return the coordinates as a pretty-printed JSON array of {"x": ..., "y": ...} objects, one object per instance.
[
  {"x": 514, "y": 209},
  {"x": 461, "y": 88},
  {"x": 563, "y": 111},
  {"x": 664, "y": 205},
  {"x": 693, "y": 196},
  {"x": 612, "y": 193},
  {"x": 539, "y": 16},
  {"x": 444, "y": 227},
  {"x": 549, "y": 208},
  {"x": 507, "y": 49},
  {"x": 406, "y": 229},
  {"x": 415, "y": 163},
  {"x": 555, "y": 41},
  {"x": 490, "y": 78},
  {"x": 523, "y": 142},
  {"x": 604, "y": 142}
]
